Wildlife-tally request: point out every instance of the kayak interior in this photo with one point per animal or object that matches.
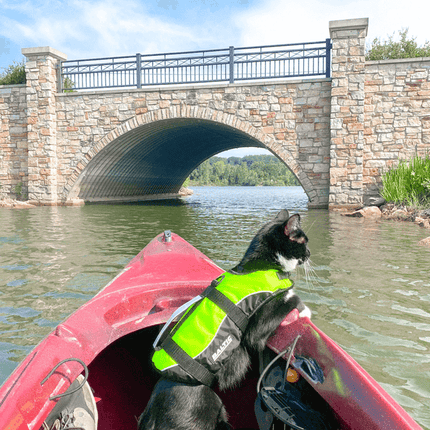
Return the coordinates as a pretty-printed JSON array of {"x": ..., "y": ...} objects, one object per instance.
[{"x": 122, "y": 377}]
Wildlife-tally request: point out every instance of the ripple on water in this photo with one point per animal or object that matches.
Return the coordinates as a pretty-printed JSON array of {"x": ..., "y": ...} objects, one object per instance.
[
  {"x": 376, "y": 338},
  {"x": 16, "y": 282},
  {"x": 8, "y": 315},
  {"x": 11, "y": 239},
  {"x": 401, "y": 322},
  {"x": 413, "y": 311},
  {"x": 15, "y": 267}
]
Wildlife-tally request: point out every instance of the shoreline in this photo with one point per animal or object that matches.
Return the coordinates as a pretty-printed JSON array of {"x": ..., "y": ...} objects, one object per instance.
[
  {"x": 404, "y": 213},
  {"x": 393, "y": 212}
]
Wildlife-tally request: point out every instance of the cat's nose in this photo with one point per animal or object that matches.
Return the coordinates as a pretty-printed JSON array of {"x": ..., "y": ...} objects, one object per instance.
[{"x": 305, "y": 258}]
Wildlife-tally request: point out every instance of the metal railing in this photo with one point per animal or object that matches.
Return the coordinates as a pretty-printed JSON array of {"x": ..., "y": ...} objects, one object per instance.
[{"x": 216, "y": 65}]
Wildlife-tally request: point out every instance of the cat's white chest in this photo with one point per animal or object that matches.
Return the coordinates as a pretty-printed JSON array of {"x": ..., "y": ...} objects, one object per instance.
[{"x": 288, "y": 265}]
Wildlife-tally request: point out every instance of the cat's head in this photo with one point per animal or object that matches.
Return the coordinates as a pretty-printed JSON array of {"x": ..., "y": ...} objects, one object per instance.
[{"x": 280, "y": 244}]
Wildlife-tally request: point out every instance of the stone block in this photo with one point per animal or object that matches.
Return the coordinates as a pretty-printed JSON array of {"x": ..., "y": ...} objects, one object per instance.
[
  {"x": 320, "y": 167},
  {"x": 425, "y": 242},
  {"x": 339, "y": 91}
]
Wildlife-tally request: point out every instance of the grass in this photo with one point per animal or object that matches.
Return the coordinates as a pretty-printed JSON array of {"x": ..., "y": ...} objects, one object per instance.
[{"x": 409, "y": 183}]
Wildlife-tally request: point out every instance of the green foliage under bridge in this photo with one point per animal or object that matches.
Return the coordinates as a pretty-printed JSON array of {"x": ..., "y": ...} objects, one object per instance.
[{"x": 250, "y": 171}]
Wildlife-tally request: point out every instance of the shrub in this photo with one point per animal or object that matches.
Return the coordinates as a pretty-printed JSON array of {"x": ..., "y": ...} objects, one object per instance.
[
  {"x": 14, "y": 74},
  {"x": 406, "y": 47},
  {"x": 68, "y": 85},
  {"x": 409, "y": 183}
]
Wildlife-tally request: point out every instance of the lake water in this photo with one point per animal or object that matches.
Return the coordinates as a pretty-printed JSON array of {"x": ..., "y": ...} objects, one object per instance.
[{"x": 371, "y": 292}]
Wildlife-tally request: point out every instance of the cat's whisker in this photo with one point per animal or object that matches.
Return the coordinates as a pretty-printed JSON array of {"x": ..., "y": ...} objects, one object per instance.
[
  {"x": 310, "y": 228},
  {"x": 299, "y": 274},
  {"x": 311, "y": 275},
  {"x": 309, "y": 284},
  {"x": 308, "y": 277}
]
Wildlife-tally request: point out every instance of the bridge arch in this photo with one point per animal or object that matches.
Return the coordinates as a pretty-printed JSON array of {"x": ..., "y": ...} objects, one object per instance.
[{"x": 153, "y": 153}]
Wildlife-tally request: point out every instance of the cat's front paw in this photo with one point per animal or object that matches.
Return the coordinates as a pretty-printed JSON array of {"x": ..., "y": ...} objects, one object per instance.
[{"x": 306, "y": 312}]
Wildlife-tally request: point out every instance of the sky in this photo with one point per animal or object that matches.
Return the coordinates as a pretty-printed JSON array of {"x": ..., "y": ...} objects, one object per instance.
[{"x": 84, "y": 29}]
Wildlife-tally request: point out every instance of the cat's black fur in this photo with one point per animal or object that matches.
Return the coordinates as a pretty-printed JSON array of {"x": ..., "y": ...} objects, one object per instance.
[{"x": 281, "y": 244}]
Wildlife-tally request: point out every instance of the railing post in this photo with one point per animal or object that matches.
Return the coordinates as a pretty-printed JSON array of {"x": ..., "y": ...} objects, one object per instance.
[
  {"x": 138, "y": 71},
  {"x": 231, "y": 64},
  {"x": 60, "y": 77},
  {"x": 328, "y": 58}
]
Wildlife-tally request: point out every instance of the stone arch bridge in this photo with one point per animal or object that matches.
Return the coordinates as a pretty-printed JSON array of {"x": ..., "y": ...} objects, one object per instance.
[
  {"x": 151, "y": 152},
  {"x": 337, "y": 135}
]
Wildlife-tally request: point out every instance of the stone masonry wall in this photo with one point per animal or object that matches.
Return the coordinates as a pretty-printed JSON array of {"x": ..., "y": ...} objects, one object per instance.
[
  {"x": 347, "y": 111},
  {"x": 41, "y": 74},
  {"x": 13, "y": 141},
  {"x": 293, "y": 116},
  {"x": 397, "y": 116}
]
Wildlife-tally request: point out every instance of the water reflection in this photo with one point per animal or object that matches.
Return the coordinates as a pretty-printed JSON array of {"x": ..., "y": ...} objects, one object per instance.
[{"x": 370, "y": 293}]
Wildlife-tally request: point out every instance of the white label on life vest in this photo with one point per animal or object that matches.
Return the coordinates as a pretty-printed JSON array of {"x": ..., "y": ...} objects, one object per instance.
[{"x": 222, "y": 348}]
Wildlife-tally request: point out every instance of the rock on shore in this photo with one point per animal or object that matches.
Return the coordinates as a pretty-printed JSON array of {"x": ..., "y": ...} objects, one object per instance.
[
  {"x": 425, "y": 242},
  {"x": 15, "y": 204},
  {"x": 366, "y": 212},
  {"x": 18, "y": 204},
  {"x": 397, "y": 213},
  {"x": 184, "y": 192},
  {"x": 393, "y": 212},
  {"x": 404, "y": 213}
]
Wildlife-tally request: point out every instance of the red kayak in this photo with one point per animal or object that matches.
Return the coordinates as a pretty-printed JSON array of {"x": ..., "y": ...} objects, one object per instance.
[{"x": 94, "y": 370}]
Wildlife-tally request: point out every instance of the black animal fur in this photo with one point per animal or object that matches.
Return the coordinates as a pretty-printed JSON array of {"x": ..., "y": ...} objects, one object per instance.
[{"x": 180, "y": 406}]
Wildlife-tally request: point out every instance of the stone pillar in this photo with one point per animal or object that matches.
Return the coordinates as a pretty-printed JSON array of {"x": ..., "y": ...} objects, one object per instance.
[
  {"x": 42, "y": 83},
  {"x": 347, "y": 112}
]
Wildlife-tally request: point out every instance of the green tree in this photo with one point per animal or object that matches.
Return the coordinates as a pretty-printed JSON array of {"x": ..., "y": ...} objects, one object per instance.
[
  {"x": 218, "y": 170},
  {"x": 247, "y": 171},
  {"x": 390, "y": 49},
  {"x": 13, "y": 74},
  {"x": 201, "y": 175}
]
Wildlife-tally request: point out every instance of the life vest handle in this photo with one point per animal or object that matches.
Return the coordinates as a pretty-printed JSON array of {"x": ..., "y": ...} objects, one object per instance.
[{"x": 175, "y": 314}]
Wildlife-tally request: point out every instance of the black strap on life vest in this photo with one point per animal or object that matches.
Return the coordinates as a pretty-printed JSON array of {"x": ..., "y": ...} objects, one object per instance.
[
  {"x": 233, "y": 312},
  {"x": 191, "y": 366}
]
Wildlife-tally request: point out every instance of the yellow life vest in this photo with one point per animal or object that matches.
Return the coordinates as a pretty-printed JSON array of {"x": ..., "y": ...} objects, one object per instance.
[{"x": 198, "y": 345}]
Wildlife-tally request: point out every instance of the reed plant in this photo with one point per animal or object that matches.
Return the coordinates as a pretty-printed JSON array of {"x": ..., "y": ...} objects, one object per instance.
[{"x": 408, "y": 183}]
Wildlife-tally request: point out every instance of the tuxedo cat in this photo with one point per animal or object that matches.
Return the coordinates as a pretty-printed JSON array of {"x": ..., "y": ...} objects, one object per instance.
[{"x": 281, "y": 245}]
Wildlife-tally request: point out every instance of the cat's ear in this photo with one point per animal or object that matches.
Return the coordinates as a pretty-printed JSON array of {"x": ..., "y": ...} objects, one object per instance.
[
  {"x": 292, "y": 224},
  {"x": 283, "y": 215}
]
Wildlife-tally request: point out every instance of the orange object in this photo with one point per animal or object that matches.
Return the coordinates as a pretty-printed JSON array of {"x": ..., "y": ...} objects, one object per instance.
[{"x": 292, "y": 375}]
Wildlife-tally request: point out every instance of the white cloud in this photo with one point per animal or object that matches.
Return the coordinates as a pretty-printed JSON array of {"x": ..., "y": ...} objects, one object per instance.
[
  {"x": 100, "y": 28},
  {"x": 291, "y": 21}
]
